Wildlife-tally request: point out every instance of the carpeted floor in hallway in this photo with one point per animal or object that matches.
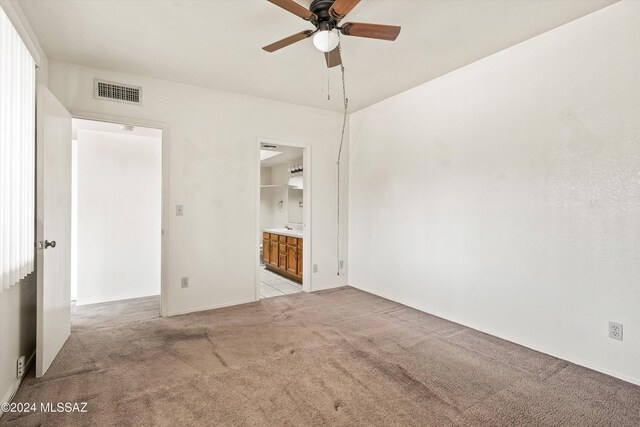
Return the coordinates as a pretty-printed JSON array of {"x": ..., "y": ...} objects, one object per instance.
[{"x": 340, "y": 357}]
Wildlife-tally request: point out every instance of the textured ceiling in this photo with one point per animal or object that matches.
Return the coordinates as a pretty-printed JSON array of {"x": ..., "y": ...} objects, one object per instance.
[{"x": 217, "y": 44}]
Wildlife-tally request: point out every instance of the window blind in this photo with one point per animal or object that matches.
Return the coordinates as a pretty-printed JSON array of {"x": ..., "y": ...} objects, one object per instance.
[{"x": 17, "y": 156}]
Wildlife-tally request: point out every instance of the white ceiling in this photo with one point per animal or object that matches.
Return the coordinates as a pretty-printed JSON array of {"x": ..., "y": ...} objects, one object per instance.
[
  {"x": 217, "y": 43},
  {"x": 286, "y": 155}
]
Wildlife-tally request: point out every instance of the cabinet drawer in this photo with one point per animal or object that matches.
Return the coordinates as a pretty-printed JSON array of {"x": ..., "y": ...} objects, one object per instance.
[
  {"x": 265, "y": 236},
  {"x": 274, "y": 237},
  {"x": 292, "y": 240},
  {"x": 283, "y": 239}
]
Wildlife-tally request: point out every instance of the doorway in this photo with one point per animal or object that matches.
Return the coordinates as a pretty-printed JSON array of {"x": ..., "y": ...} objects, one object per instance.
[
  {"x": 116, "y": 226},
  {"x": 283, "y": 218}
]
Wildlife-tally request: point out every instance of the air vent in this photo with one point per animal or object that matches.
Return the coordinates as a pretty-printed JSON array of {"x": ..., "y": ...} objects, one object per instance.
[{"x": 117, "y": 92}]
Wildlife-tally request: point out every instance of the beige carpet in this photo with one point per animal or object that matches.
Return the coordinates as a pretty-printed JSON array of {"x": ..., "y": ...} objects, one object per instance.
[{"x": 340, "y": 357}]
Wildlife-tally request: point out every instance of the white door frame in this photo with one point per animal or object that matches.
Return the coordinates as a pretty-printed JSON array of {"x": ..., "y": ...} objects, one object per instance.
[
  {"x": 306, "y": 212},
  {"x": 164, "y": 221}
]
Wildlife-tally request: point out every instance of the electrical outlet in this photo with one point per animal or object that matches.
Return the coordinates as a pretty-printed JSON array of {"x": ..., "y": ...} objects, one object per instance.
[
  {"x": 315, "y": 268},
  {"x": 179, "y": 210},
  {"x": 184, "y": 282},
  {"x": 20, "y": 367},
  {"x": 341, "y": 264},
  {"x": 615, "y": 330}
]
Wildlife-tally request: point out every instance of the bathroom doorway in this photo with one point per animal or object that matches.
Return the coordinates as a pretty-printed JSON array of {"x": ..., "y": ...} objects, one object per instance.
[{"x": 283, "y": 240}]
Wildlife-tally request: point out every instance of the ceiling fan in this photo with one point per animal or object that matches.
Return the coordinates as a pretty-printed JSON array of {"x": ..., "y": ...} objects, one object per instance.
[{"x": 326, "y": 15}]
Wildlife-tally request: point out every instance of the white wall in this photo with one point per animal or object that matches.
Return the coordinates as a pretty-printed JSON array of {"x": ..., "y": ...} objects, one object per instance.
[
  {"x": 119, "y": 181},
  {"x": 272, "y": 215},
  {"x": 267, "y": 196},
  {"x": 212, "y": 172},
  {"x": 506, "y": 195}
]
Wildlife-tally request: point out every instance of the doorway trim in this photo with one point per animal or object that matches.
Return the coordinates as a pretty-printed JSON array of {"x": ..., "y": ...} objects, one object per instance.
[
  {"x": 164, "y": 211},
  {"x": 307, "y": 285}
]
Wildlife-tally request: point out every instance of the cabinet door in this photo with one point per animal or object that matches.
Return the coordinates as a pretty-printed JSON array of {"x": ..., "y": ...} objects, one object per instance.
[
  {"x": 292, "y": 259},
  {"x": 265, "y": 251},
  {"x": 299, "y": 256},
  {"x": 282, "y": 257},
  {"x": 273, "y": 253}
]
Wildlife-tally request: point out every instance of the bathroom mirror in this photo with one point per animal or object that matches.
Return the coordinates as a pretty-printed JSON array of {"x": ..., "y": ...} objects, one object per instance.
[{"x": 295, "y": 198}]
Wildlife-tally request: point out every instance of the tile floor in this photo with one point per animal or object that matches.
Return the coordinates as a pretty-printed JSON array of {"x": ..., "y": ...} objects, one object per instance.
[{"x": 274, "y": 285}]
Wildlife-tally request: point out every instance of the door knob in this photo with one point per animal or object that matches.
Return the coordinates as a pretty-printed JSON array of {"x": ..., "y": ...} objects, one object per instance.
[{"x": 48, "y": 244}]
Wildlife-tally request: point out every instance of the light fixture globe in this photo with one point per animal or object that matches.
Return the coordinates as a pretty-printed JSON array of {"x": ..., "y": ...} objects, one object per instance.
[{"x": 326, "y": 40}]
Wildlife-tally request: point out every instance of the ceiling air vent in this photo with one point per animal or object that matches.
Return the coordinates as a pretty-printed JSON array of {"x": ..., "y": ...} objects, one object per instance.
[{"x": 103, "y": 89}]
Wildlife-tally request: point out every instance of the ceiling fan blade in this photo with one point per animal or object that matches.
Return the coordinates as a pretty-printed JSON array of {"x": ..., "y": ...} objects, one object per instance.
[
  {"x": 287, "y": 41},
  {"x": 372, "y": 31},
  {"x": 295, "y": 8},
  {"x": 340, "y": 8},
  {"x": 333, "y": 58}
]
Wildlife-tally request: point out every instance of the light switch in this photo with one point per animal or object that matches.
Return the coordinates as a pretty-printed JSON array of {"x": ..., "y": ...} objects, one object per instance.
[{"x": 179, "y": 210}]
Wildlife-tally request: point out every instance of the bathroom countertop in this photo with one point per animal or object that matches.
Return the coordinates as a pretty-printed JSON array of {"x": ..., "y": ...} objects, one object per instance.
[{"x": 285, "y": 232}]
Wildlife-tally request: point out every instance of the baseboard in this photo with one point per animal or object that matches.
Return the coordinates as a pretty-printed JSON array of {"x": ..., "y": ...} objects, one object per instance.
[
  {"x": 80, "y": 303},
  {"x": 211, "y": 307},
  {"x": 324, "y": 288},
  {"x": 619, "y": 376},
  {"x": 592, "y": 367},
  {"x": 11, "y": 393}
]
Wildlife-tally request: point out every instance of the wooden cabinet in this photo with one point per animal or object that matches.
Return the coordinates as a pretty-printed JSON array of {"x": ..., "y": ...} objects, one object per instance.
[
  {"x": 300, "y": 257},
  {"x": 273, "y": 251},
  {"x": 283, "y": 254},
  {"x": 292, "y": 259},
  {"x": 265, "y": 248}
]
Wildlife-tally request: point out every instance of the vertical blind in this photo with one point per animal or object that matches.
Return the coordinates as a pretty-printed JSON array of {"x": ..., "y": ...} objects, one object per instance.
[{"x": 17, "y": 156}]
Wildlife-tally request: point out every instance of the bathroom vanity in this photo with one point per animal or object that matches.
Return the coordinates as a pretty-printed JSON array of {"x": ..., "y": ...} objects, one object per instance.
[{"x": 282, "y": 252}]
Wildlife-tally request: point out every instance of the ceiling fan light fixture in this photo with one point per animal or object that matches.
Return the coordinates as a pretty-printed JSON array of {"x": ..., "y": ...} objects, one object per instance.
[{"x": 326, "y": 40}]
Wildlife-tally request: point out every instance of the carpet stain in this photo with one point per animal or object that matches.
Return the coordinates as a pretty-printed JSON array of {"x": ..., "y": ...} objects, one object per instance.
[
  {"x": 175, "y": 335},
  {"x": 214, "y": 350},
  {"x": 222, "y": 361}
]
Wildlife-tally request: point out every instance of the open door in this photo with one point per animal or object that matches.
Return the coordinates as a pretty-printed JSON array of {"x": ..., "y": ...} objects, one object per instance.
[{"x": 53, "y": 228}]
